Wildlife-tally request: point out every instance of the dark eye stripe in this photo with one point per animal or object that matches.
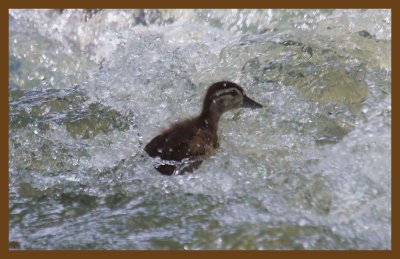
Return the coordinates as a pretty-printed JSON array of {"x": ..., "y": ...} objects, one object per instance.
[
  {"x": 224, "y": 94},
  {"x": 233, "y": 93}
]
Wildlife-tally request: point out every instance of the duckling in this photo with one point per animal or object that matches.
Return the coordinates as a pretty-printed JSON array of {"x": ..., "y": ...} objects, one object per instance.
[{"x": 184, "y": 146}]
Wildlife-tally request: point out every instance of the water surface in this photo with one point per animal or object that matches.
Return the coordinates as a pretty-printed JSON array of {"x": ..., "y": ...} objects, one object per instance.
[{"x": 88, "y": 89}]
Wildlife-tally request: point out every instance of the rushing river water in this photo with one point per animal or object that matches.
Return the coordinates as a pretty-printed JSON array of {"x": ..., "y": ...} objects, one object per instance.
[{"x": 88, "y": 89}]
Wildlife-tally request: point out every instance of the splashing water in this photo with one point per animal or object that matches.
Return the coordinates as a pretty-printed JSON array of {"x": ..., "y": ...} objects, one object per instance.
[{"x": 89, "y": 88}]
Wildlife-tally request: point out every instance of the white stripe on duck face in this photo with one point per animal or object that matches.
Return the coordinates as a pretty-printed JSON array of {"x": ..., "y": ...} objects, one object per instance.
[{"x": 226, "y": 92}]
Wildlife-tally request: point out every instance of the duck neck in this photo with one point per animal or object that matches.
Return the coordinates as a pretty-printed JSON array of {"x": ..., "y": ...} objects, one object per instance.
[{"x": 210, "y": 119}]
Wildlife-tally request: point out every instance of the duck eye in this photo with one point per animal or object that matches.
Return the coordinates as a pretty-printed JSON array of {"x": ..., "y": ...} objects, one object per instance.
[{"x": 234, "y": 93}]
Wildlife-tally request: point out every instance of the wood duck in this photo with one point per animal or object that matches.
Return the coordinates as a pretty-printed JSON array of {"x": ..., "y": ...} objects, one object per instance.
[{"x": 184, "y": 146}]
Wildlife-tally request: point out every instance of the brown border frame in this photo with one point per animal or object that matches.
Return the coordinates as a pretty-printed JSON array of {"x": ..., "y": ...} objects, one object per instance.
[{"x": 10, "y": 4}]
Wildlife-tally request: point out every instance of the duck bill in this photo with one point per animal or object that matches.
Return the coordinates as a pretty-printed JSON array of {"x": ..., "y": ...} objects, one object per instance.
[{"x": 250, "y": 103}]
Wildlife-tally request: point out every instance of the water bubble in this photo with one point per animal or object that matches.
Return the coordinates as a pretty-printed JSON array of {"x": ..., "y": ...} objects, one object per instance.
[{"x": 303, "y": 222}]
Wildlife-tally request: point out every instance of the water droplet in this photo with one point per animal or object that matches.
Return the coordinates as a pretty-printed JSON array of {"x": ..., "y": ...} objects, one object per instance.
[{"x": 302, "y": 222}]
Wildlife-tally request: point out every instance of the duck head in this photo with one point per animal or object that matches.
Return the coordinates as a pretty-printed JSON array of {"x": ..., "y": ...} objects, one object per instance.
[{"x": 224, "y": 96}]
